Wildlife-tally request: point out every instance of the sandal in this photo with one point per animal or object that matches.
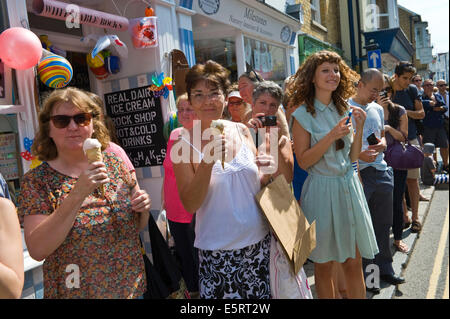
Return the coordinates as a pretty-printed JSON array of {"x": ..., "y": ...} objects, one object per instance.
[
  {"x": 423, "y": 198},
  {"x": 407, "y": 224},
  {"x": 401, "y": 247},
  {"x": 416, "y": 226}
]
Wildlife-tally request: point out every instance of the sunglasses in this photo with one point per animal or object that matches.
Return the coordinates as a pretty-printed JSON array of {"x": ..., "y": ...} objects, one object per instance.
[
  {"x": 441, "y": 85},
  {"x": 62, "y": 121}
]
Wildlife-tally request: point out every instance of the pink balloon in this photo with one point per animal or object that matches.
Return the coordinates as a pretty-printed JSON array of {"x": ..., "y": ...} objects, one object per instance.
[{"x": 20, "y": 48}]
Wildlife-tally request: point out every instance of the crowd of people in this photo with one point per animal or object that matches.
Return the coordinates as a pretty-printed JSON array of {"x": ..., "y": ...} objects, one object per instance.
[{"x": 326, "y": 130}]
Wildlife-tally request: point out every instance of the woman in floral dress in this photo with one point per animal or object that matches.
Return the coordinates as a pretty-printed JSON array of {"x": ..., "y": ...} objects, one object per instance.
[{"x": 90, "y": 242}]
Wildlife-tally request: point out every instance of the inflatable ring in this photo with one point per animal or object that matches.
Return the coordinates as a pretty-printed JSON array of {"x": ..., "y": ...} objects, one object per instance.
[{"x": 55, "y": 71}]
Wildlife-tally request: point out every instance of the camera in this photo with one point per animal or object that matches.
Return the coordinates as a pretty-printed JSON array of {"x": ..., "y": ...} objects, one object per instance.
[{"x": 269, "y": 120}]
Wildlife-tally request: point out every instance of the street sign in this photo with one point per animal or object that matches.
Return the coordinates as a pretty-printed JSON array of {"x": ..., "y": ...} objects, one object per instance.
[{"x": 374, "y": 59}]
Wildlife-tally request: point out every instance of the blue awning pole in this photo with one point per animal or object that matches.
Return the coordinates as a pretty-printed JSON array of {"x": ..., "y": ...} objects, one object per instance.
[{"x": 352, "y": 32}]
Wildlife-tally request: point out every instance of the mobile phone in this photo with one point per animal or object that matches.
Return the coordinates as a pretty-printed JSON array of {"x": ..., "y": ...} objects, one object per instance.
[
  {"x": 349, "y": 117},
  {"x": 372, "y": 139},
  {"x": 383, "y": 94},
  {"x": 269, "y": 120}
]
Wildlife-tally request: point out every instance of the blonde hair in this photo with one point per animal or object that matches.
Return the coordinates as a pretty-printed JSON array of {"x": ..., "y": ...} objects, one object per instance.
[{"x": 44, "y": 147}]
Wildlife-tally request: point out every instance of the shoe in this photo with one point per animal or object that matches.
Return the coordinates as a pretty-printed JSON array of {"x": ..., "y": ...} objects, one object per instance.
[
  {"x": 416, "y": 226},
  {"x": 401, "y": 247},
  {"x": 423, "y": 199},
  {"x": 392, "y": 279},
  {"x": 407, "y": 224},
  {"x": 373, "y": 290}
]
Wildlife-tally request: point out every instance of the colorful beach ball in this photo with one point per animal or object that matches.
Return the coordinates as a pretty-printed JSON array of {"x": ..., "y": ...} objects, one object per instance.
[{"x": 55, "y": 71}]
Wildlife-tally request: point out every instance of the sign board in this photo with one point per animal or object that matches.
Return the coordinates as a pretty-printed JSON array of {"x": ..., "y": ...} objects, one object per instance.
[
  {"x": 138, "y": 119},
  {"x": 247, "y": 19},
  {"x": 8, "y": 156},
  {"x": 374, "y": 59}
]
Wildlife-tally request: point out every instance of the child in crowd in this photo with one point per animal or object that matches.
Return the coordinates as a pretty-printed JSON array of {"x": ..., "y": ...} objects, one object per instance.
[{"x": 428, "y": 171}]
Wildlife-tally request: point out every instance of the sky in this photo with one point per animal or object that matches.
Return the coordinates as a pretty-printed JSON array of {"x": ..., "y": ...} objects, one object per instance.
[{"x": 435, "y": 12}]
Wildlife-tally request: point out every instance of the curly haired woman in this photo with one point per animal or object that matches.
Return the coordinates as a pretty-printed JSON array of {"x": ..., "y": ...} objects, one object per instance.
[{"x": 326, "y": 145}]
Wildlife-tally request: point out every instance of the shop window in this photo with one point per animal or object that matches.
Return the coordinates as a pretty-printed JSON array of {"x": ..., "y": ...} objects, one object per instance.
[
  {"x": 267, "y": 59},
  {"x": 315, "y": 11},
  {"x": 222, "y": 51},
  {"x": 10, "y": 163}
]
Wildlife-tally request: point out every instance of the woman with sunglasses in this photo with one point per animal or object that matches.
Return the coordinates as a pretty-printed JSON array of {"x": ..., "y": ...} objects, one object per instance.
[
  {"x": 90, "y": 242},
  {"x": 230, "y": 232},
  {"x": 396, "y": 128},
  {"x": 181, "y": 222}
]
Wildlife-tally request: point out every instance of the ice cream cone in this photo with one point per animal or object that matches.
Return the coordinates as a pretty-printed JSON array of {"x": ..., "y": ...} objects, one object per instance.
[
  {"x": 218, "y": 124},
  {"x": 94, "y": 154}
]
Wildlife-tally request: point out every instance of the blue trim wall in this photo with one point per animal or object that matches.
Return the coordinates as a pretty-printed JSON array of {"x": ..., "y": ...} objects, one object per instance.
[
  {"x": 292, "y": 61},
  {"x": 186, "y": 4},
  {"x": 187, "y": 45}
]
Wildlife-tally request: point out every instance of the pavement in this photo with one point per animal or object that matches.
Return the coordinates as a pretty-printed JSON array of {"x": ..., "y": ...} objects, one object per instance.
[{"x": 400, "y": 260}]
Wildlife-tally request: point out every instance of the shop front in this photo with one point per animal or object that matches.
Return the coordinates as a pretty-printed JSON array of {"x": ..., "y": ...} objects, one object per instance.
[
  {"x": 308, "y": 45},
  {"x": 241, "y": 33},
  {"x": 394, "y": 46},
  {"x": 123, "y": 77}
]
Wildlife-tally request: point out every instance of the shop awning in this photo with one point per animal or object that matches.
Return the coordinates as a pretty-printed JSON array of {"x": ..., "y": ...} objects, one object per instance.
[{"x": 392, "y": 41}]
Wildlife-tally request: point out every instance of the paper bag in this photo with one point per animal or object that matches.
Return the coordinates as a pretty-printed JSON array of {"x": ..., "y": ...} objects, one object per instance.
[{"x": 289, "y": 224}]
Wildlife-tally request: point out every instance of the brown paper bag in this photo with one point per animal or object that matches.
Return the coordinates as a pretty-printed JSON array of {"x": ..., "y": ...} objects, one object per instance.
[{"x": 289, "y": 224}]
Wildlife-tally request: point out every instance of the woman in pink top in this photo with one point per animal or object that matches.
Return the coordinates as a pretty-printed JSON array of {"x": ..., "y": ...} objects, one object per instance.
[{"x": 180, "y": 220}]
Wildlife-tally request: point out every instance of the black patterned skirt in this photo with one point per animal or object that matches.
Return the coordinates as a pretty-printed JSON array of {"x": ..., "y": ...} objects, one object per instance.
[{"x": 235, "y": 274}]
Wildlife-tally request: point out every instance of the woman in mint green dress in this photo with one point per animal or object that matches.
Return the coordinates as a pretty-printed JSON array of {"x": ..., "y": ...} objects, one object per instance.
[{"x": 326, "y": 144}]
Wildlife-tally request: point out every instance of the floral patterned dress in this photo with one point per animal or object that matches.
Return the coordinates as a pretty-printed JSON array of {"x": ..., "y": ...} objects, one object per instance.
[{"x": 103, "y": 245}]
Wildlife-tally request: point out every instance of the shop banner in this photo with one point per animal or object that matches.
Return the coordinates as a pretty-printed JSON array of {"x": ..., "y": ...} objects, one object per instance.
[
  {"x": 75, "y": 15},
  {"x": 137, "y": 116},
  {"x": 248, "y": 19}
]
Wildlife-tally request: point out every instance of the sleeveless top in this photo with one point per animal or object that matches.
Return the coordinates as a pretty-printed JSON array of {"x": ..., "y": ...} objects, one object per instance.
[{"x": 229, "y": 217}]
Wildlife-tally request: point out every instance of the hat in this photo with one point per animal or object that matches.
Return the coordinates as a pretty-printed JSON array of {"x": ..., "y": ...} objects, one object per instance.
[
  {"x": 428, "y": 148},
  {"x": 235, "y": 94}
]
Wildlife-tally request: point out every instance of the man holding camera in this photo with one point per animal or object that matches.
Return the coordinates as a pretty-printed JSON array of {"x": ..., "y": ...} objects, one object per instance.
[{"x": 376, "y": 176}]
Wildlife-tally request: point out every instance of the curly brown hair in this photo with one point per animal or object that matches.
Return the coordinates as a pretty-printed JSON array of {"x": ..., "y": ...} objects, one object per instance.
[
  {"x": 303, "y": 90},
  {"x": 44, "y": 147},
  {"x": 211, "y": 72}
]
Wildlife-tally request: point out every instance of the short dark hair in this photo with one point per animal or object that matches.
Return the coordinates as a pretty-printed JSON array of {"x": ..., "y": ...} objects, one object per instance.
[
  {"x": 404, "y": 67},
  {"x": 211, "y": 72}
]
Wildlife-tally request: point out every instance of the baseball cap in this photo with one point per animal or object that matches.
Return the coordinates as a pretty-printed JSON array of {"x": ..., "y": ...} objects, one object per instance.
[
  {"x": 428, "y": 148},
  {"x": 235, "y": 94}
]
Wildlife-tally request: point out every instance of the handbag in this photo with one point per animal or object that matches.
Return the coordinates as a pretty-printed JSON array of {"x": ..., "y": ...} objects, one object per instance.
[
  {"x": 403, "y": 156},
  {"x": 164, "y": 279}
]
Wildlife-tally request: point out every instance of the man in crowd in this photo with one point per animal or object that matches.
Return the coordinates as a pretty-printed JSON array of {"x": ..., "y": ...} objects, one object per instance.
[
  {"x": 434, "y": 130},
  {"x": 417, "y": 81},
  {"x": 442, "y": 87},
  {"x": 377, "y": 177},
  {"x": 407, "y": 95}
]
